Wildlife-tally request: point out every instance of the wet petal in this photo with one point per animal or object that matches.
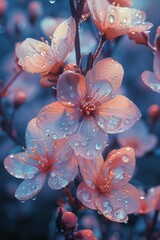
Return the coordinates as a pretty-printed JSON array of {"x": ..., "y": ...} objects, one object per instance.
[
  {"x": 150, "y": 79},
  {"x": 117, "y": 115},
  {"x": 38, "y": 140},
  {"x": 30, "y": 188},
  {"x": 20, "y": 166},
  {"x": 86, "y": 195},
  {"x": 66, "y": 164},
  {"x": 89, "y": 141},
  {"x": 63, "y": 39},
  {"x": 118, "y": 203},
  {"x": 90, "y": 169},
  {"x": 71, "y": 88},
  {"x": 138, "y": 138},
  {"x": 117, "y": 169},
  {"x": 122, "y": 3},
  {"x": 58, "y": 121},
  {"x": 57, "y": 182},
  {"x": 35, "y": 56},
  {"x": 106, "y": 70}
]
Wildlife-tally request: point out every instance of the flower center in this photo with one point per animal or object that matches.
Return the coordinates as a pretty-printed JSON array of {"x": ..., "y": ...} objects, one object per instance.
[{"x": 88, "y": 107}]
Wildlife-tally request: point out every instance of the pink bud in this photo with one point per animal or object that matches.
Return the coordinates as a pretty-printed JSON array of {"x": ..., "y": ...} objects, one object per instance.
[
  {"x": 85, "y": 235},
  {"x": 69, "y": 221},
  {"x": 19, "y": 99}
]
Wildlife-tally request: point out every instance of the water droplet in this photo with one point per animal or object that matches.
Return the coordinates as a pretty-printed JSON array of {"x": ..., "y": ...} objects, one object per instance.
[
  {"x": 120, "y": 214},
  {"x": 125, "y": 158},
  {"x": 86, "y": 196},
  {"x": 54, "y": 136},
  {"x": 125, "y": 20},
  {"x": 76, "y": 144},
  {"x": 111, "y": 19},
  {"x": 98, "y": 147},
  {"x": 84, "y": 143},
  {"x": 12, "y": 156},
  {"x": 34, "y": 198},
  {"x": 52, "y": 1}
]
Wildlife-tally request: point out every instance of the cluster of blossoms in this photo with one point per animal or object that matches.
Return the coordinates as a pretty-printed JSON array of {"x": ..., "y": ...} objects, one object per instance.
[{"x": 68, "y": 136}]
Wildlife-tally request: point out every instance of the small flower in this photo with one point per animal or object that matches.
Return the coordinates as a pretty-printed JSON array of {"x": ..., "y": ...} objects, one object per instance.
[
  {"x": 138, "y": 138},
  {"x": 38, "y": 57},
  {"x": 43, "y": 157},
  {"x": 105, "y": 186},
  {"x": 147, "y": 202},
  {"x": 115, "y": 21},
  {"x": 86, "y": 110}
]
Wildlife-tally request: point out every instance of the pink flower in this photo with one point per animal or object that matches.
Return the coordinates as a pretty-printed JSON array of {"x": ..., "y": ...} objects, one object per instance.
[
  {"x": 122, "y": 3},
  {"x": 152, "y": 79},
  {"x": 86, "y": 110},
  {"x": 105, "y": 186},
  {"x": 43, "y": 157},
  {"x": 38, "y": 57},
  {"x": 115, "y": 21},
  {"x": 138, "y": 138},
  {"x": 147, "y": 202}
]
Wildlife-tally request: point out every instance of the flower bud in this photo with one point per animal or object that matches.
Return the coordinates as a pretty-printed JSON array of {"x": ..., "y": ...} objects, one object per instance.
[
  {"x": 85, "y": 235},
  {"x": 154, "y": 112},
  {"x": 19, "y": 99},
  {"x": 69, "y": 221}
]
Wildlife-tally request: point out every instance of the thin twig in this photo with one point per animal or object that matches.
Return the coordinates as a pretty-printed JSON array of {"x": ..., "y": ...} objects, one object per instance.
[
  {"x": 9, "y": 83},
  {"x": 99, "y": 48}
]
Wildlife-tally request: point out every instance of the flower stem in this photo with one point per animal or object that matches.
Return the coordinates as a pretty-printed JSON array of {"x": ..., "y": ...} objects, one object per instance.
[
  {"x": 76, "y": 14},
  {"x": 9, "y": 83},
  {"x": 99, "y": 48}
]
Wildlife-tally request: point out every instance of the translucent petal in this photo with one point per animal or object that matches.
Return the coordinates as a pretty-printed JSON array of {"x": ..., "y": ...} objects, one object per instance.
[
  {"x": 30, "y": 188},
  {"x": 150, "y": 79},
  {"x": 35, "y": 56},
  {"x": 117, "y": 169},
  {"x": 90, "y": 169},
  {"x": 118, "y": 203},
  {"x": 57, "y": 182},
  {"x": 86, "y": 195},
  {"x": 57, "y": 120},
  {"x": 117, "y": 115},
  {"x": 38, "y": 140},
  {"x": 63, "y": 39},
  {"x": 20, "y": 166},
  {"x": 71, "y": 88},
  {"x": 89, "y": 141},
  {"x": 106, "y": 70}
]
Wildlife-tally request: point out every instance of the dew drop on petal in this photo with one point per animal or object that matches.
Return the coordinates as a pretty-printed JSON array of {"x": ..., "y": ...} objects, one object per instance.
[
  {"x": 86, "y": 196},
  {"x": 98, "y": 147},
  {"x": 52, "y": 1},
  {"x": 125, "y": 158},
  {"x": 111, "y": 19},
  {"x": 54, "y": 136},
  {"x": 120, "y": 214}
]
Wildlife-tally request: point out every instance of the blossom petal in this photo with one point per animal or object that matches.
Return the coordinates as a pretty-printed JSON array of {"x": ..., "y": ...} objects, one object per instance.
[
  {"x": 57, "y": 182},
  {"x": 71, "y": 88},
  {"x": 138, "y": 138},
  {"x": 57, "y": 120},
  {"x": 150, "y": 79},
  {"x": 30, "y": 187},
  {"x": 117, "y": 115},
  {"x": 90, "y": 169},
  {"x": 106, "y": 70},
  {"x": 63, "y": 39},
  {"x": 89, "y": 141},
  {"x": 118, "y": 168},
  {"x": 20, "y": 166},
  {"x": 38, "y": 140},
  {"x": 86, "y": 195},
  {"x": 98, "y": 9},
  {"x": 35, "y": 56},
  {"x": 120, "y": 202},
  {"x": 65, "y": 165}
]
